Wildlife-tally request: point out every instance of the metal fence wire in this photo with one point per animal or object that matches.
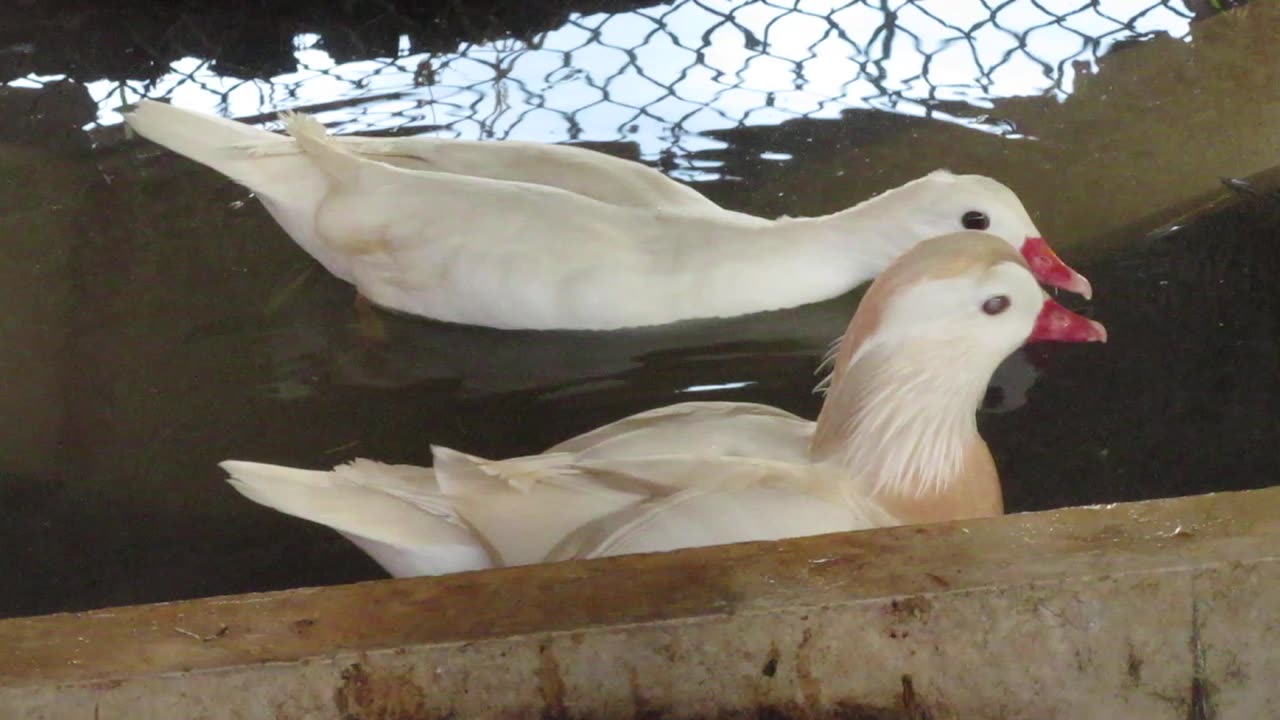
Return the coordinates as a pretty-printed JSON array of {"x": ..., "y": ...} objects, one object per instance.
[{"x": 664, "y": 75}]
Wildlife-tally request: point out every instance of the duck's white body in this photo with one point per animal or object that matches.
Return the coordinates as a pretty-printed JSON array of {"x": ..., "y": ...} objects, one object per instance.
[
  {"x": 896, "y": 443},
  {"x": 469, "y": 513},
  {"x": 523, "y": 236}
]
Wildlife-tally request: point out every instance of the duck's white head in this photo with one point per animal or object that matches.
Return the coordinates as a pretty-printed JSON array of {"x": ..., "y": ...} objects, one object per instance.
[
  {"x": 916, "y": 359},
  {"x": 964, "y": 293},
  {"x": 942, "y": 203}
]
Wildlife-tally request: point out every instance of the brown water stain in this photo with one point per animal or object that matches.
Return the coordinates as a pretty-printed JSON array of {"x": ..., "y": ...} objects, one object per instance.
[
  {"x": 367, "y": 694},
  {"x": 550, "y": 685}
]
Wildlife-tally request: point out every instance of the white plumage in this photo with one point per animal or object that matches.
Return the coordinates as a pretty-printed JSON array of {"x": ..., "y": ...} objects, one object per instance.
[{"x": 521, "y": 235}]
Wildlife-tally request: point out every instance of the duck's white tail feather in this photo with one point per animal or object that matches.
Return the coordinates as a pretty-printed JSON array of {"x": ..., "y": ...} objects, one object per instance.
[
  {"x": 393, "y": 512},
  {"x": 290, "y": 186},
  {"x": 217, "y": 142},
  {"x": 341, "y": 166}
]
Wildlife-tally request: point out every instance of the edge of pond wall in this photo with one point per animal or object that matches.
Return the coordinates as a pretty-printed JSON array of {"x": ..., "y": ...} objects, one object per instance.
[{"x": 1159, "y": 609}]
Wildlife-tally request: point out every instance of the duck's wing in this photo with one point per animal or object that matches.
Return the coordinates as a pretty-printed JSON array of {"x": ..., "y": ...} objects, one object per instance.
[
  {"x": 479, "y": 251},
  {"x": 586, "y": 172},
  {"x": 579, "y": 170},
  {"x": 511, "y": 254},
  {"x": 563, "y": 504},
  {"x": 717, "y": 500},
  {"x": 523, "y": 507}
]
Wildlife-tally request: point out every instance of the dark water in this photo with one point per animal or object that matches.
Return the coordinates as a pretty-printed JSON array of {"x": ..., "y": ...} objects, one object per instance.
[{"x": 159, "y": 322}]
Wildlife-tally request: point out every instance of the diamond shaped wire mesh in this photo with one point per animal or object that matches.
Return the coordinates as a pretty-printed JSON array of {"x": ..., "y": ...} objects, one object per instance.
[{"x": 664, "y": 75}]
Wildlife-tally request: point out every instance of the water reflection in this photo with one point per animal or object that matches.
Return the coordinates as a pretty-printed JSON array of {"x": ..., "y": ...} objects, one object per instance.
[
  {"x": 664, "y": 76},
  {"x": 1194, "y": 385},
  {"x": 323, "y": 340}
]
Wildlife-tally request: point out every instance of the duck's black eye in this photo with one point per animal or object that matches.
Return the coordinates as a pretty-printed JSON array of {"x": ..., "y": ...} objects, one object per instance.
[
  {"x": 995, "y": 304},
  {"x": 975, "y": 220}
]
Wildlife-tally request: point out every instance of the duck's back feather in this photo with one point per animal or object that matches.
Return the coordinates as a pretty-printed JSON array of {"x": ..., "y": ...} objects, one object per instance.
[{"x": 719, "y": 428}]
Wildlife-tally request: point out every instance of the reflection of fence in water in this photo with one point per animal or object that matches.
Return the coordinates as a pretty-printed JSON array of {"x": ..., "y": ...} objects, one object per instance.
[{"x": 662, "y": 74}]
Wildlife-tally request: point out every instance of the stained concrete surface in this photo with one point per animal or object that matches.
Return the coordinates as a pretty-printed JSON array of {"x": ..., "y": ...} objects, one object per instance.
[{"x": 1162, "y": 609}]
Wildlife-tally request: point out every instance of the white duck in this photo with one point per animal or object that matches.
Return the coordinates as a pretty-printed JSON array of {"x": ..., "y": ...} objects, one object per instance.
[
  {"x": 896, "y": 442},
  {"x": 569, "y": 249}
]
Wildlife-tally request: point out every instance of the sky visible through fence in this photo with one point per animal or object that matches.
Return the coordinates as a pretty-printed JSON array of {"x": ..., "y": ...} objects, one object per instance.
[{"x": 661, "y": 76}]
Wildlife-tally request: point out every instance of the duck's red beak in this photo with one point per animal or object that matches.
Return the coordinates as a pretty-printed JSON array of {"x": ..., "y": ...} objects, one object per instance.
[
  {"x": 1058, "y": 323},
  {"x": 1050, "y": 270}
]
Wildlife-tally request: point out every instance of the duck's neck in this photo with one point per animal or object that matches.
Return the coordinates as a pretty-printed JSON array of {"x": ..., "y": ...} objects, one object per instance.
[
  {"x": 901, "y": 426},
  {"x": 792, "y": 261},
  {"x": 764, "y": 265},
  {"x": 869, "y": 235}
]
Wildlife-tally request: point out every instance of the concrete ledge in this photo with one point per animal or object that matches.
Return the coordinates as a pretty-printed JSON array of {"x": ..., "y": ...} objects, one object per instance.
[{"x": 1164, "y": 609}]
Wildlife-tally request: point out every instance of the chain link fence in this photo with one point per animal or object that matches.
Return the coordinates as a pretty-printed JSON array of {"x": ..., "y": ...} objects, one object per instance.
[{"x": 663, "y": 76}]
